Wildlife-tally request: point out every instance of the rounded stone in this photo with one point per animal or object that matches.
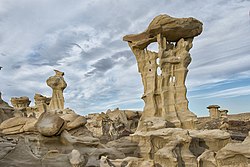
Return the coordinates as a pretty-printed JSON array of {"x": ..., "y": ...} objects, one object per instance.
[{"x": 50, "y": 124}]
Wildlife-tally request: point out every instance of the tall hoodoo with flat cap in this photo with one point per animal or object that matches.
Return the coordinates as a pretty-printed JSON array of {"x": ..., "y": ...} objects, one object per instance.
[{"x": 164, "y": 72}]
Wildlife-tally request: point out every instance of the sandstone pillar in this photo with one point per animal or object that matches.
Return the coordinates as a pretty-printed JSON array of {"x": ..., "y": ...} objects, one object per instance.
[
  {"x": 214, "y": 111},
  {"x": 58, "y": 84},
  {"x": 165, "y": 93}
]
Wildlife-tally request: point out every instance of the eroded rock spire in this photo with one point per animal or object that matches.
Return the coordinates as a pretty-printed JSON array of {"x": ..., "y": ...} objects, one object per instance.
[
  {"x": 58, "y": 84},
  {"x": 164, "y": 95}
]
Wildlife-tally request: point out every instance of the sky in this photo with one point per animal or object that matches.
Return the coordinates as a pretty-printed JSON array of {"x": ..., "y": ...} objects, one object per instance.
[{"x": 83, "y": 38}]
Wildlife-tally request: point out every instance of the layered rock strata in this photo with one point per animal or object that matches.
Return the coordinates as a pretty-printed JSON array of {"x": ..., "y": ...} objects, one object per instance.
[{"x": 164, "y": 72}]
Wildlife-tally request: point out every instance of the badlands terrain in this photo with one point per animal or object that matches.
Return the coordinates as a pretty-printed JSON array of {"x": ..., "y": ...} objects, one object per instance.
[{"x": 165, "y": 134}]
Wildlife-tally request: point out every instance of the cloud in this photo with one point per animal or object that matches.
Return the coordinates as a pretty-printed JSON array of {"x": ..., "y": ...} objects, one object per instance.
[
  {"x": 84, "y": 39},
  {"x": 227, "y": 93}
]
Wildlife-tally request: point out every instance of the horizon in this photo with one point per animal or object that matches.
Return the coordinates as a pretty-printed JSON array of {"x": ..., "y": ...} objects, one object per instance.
[{"x": 84, "y": 40}]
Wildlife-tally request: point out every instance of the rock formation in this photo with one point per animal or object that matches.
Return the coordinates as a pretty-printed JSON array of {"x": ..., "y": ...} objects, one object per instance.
[
  {"x": 50, "y": 124},
  {"x": 6, "y": 111},
  {"x": 20, "y": 102},
  {"x": 165, "y": 92},
  {"x": 57, "y": 84},
  {"x": 41, "y": 102},
  {"x": 215, "y": 113},
  {"x": 162, "y": 135},
  {"x": 113, "y": 124}
]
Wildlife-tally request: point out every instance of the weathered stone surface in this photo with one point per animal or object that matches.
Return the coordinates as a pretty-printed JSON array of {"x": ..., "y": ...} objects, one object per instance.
[
  {"x": 41, "y": 104},
  {"x": 17, "y": 125},
  {"x": 66, "y": 138},
  {"x": 20, "y": 156},
  {"x": 125, "y": 145},
  {"x": 113, "y": 124},
  {"x": 76, "y": 159},
  {"x": 207, "y": 158},
  {"x": 213, "y": 140},
  {"x": 173, "y": 29},
  {"x": 54, "y": 158},
  {"x": 50, "y": 124},
  {"x": 167, "y": 147},
  {"x": 164, "y": 73},
  {"x": 58, "y": 84},
  {"x": 6, "y": 111},
  {"x": 79, "y": 121},
  {"x": 20, "y": 102},
  {"x": 133, "y": 162},
  {"x": 6, "y": 146},
  {"x": 235, "y": 154}
]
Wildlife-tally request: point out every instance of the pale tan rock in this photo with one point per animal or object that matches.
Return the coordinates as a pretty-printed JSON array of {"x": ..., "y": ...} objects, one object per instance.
[
  {"x": 17, "y": 125},
  {"x": 41, "y": 103},
  {"x": 13, "y": 122},
  {"x": 20, "y": 102},
  {"x": 31, "y": 112},
  {"x": 69, "y": 117},
  {"x": 125, "y": 145},
  {"x": 73, "y": 120},
  {"x": 154, "y": 123},
  {"x": 207, "y": 159},
  {"x": 13, "y": 130},
  {"x": 172, "y": 28},
  {"x": 235, "y": 154},
  {"x": 165, "y": 92},
  {"x": 66, "y": 138},
  {"x": 166, "y": 147},
  {"x": 50, "y": 124},
  {"x": 214, "y": 111},
  {"x": 29, "y": 126},
  {"x": 118, "y": 115},
  {"x": 223, "y": 113},
  {"x": 79, "y": 121},
  {"x": 98, "y": 124},
  {"x": 105, "y": 162},
  {"x": 213, "y": 140},
  {"x": 76, "y": 159},
  {"x": 58, "y": 84},
  {"x": 133, "y": 162},
  {"x": 224, "y": 126}
]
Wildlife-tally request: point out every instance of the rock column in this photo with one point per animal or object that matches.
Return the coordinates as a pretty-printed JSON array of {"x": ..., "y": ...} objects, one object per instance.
[
  {"x": 164, "y": 72},
  {"x": 58, "y": 84}
]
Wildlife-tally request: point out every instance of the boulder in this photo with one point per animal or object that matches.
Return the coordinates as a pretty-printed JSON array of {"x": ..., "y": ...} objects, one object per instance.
[{"x": 50, "y": 124}]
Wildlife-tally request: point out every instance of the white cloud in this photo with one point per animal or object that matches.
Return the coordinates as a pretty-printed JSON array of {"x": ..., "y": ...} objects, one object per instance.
[
  {"x": 84, "y": 39},
  {"x": 227, "y": 93}
]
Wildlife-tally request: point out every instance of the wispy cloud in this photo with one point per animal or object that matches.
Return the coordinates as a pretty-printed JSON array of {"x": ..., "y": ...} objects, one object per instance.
[
  {"x": 227, "y": 93},
  {"x": 84, "y": 39}
]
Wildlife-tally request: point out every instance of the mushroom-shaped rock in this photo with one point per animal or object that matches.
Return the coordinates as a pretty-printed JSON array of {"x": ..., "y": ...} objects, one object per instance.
[
  {"x": 50, "y": 124},
  {"x": 20, "y": 102},
  {"x": 58, "y": 84},
  {"x": 173, "y": 29},
  {"x": 76, "y": 159}
]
